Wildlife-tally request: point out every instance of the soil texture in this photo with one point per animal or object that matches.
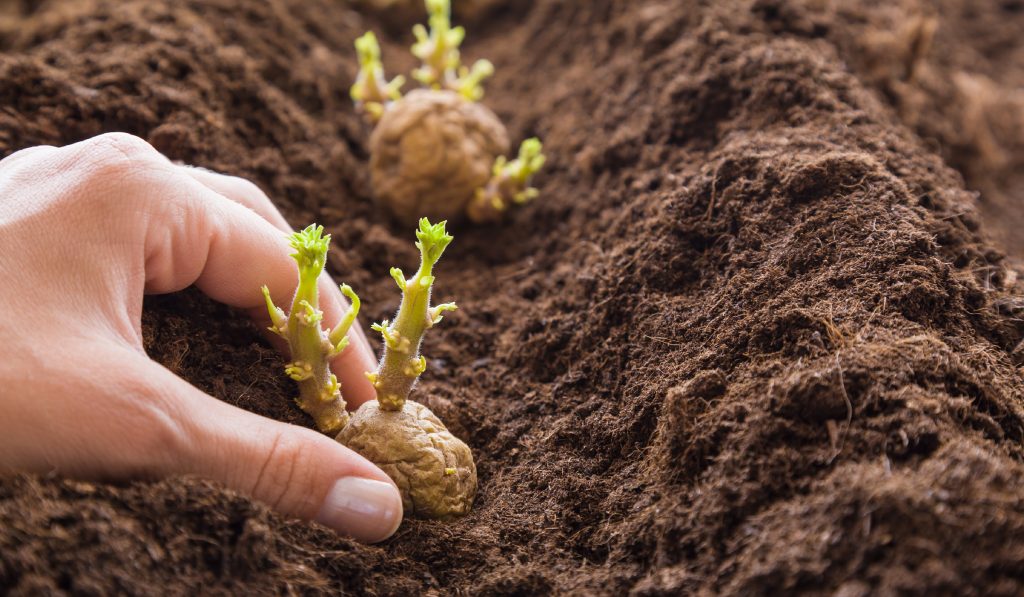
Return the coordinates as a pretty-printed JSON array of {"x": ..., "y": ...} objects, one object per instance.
[{"x": 761, "y": 333}]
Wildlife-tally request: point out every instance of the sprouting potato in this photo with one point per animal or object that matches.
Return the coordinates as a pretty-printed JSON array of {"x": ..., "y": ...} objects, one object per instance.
[
  {"x": 437, "y": 152},
  {"x": 433, "y": 469}
]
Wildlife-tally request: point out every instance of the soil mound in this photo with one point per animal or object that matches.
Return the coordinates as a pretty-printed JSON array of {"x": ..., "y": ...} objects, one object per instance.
[{"x": 752, "y": 338}]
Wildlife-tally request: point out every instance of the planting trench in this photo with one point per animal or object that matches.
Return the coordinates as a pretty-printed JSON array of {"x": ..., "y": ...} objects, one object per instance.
[{"x": 759, "y": 333}]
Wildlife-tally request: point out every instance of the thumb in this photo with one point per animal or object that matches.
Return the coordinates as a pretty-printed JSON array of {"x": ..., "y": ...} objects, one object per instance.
[{"x": 296, "y": 471}]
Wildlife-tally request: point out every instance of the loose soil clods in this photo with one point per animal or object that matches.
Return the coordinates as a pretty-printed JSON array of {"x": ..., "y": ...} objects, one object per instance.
[{"x": 736, "y": 210}]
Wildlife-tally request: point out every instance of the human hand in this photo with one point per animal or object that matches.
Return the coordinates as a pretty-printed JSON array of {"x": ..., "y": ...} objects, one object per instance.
[{"x": 85, "y": 231}]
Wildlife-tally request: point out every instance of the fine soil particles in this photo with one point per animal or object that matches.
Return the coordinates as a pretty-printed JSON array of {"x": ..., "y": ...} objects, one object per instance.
[{"x": 761, "y": 332}]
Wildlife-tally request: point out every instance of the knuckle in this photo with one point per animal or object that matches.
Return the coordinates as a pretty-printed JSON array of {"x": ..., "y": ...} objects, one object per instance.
[
  {"x": 285, "y": 479},
  {"x": 147, "y": 435},
  {"x": 109, "y": 170},
  {"x": 248, "y": 188},
  {"x": 117, "y": 154},
  {"x": 119, "y": 144}
]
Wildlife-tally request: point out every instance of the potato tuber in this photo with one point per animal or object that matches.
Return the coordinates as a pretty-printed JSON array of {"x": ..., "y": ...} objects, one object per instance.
[
  {"x": 433, "y": 469},
  {"x": 430, "y": 153}
]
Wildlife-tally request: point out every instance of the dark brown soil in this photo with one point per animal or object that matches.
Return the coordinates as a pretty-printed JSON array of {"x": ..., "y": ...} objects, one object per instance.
[{"x": 753, "y": 338}]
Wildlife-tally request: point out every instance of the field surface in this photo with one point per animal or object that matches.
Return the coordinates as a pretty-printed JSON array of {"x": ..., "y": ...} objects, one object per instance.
[{"x": 760, "y": 333}]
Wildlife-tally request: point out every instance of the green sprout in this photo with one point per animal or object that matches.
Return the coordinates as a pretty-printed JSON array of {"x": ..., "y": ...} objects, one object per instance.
[
  {"x": 402, "y": 363},
  {"x": 310, "y": 347},
  {"x": 433, "y": 470},
  {"x": 438, "y": 49},
  {"x": 469, "y": 84},
  {"x": 510, "y": 183},
  {"x": 372, "y": 91}
]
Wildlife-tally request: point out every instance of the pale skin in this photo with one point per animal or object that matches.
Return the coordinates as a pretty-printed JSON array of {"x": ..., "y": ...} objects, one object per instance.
[{"x": 85, "y": 232}]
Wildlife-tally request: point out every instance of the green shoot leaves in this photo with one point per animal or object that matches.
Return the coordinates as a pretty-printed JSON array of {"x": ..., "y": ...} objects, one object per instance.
[
  {"x": 310, "y": 253},
  {"x": 278, "y": 319},
  {"x": 432, "y": 240},
  {"x": 470, "y": 81},
  {"x": 441, "y": 64},
  {"x": 521, "y": 169},
  {"x": 399, "y": 277},
  {"x": 435, "y": 313},
  {"x": 438, "y": 49},
  {"x": 338, "y": 338},
  {"x": 510, "y": 183},
  {"x": 372, "y": 91}
]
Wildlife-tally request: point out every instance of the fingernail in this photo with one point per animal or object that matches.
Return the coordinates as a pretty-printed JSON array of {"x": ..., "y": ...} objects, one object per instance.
[{"x": 364, "y": 509}]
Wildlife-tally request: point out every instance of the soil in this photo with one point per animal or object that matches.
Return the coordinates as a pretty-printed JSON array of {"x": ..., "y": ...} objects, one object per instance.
[{"x": 761, "y": 333}]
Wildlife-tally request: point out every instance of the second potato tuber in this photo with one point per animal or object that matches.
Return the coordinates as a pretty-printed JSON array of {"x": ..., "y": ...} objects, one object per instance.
[{"x": 437, "y": 152}]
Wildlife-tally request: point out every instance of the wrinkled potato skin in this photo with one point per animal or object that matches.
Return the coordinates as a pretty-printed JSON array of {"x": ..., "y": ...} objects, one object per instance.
[
  {"x": 430, "y": 152},
  {"x": 414, "y": 448}
]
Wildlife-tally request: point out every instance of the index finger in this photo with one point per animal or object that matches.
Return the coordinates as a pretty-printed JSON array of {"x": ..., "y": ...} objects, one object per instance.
[
  {"x": 229, "y": 251},
  {"x": 359, "y": 356}
]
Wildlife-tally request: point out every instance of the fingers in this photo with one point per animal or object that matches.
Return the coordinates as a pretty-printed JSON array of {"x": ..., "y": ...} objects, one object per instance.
[
  {"x": 132, "y": 418},
  {"x": 218, "y": 232},
  {"x": 23, "y": 155},
  {"x": 241, "y": 191},
  {"x": 351, "y": 365},
  {"x": 296, "y": 471},
  {"x": 193, "y": 234}
]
